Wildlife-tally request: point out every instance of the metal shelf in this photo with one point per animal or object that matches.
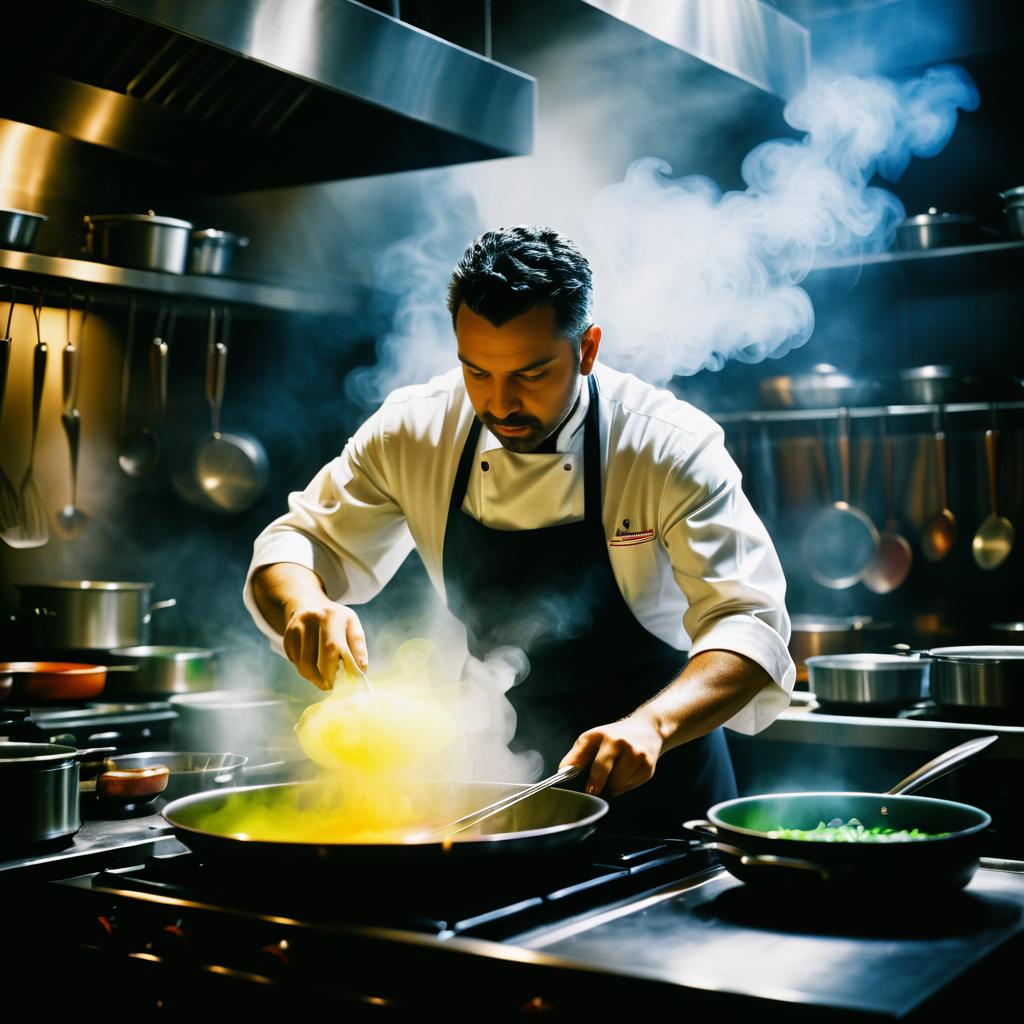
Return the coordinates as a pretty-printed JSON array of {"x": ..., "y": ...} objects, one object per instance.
[
  {"x": 188, "y": 288},
  {"x": 858, "y": 412},
  {"x": 915, "y": 255}
]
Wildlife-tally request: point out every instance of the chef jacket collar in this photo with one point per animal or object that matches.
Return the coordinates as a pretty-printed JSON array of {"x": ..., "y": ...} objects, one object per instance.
[{"x": 568, "y": 431}]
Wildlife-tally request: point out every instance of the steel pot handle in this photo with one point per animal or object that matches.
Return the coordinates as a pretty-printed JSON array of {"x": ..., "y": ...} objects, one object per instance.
[
  {"x": 772, "y": 861},
  {"x": 156, "y": 606}
]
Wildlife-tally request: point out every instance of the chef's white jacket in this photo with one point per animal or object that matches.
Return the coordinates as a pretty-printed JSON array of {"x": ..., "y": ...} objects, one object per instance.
[{"x": 691, "y": 558}]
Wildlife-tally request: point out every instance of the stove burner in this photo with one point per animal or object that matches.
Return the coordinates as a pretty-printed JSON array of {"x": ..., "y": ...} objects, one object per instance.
[{"x": 468, "y": 900}]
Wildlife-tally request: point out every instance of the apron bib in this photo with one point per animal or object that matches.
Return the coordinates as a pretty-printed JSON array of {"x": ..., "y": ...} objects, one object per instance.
[{"x": 552, "y": 593}]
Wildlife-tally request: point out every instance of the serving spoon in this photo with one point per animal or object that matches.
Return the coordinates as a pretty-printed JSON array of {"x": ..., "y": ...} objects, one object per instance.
[
  {"x": 939, "y": 532},
  {"x": 993, "y": 540}
]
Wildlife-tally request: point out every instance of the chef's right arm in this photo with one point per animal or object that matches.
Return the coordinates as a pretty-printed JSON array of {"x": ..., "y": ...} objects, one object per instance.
[{"x": 341, "y": 540}]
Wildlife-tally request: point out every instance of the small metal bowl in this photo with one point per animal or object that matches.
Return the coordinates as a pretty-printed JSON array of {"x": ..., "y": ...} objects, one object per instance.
[{"x": 18, "y": 229}]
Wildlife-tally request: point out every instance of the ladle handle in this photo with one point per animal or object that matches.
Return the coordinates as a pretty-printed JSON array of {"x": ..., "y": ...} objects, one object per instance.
[
  {"x": 38, "y": 380},
  {"x": 5, "y": 362},
  {"x": 216, "y": 367},
  {"x": 941, "y": 765},
  {"x": 992, "y": 458},
  {"x": 126, "y": 367},
  {"x": 843, "y": 445},
  {"x": 940, "y": 466},
  {"x": 158, "y": 380},
  {"x": 70, "y": 363},
  {"x": 887, "y": 473}
]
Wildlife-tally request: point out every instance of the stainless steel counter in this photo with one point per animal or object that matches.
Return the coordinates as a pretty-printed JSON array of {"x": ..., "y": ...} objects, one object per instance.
[{"x": 800, "y": 724}]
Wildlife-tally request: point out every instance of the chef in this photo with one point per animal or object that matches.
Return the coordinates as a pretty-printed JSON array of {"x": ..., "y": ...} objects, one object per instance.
[{"x": 560, "y": 506}]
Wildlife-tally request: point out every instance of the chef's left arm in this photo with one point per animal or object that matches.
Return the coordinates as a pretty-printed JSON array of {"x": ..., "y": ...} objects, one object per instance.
[{"x": 740, "y": 673}]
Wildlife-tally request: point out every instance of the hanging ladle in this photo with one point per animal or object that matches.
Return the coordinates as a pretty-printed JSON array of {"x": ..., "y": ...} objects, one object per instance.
[
  {"x": 993, "y": 540},
  {"x": 939, "y": 532},
  {"x": 840, "y": 542},
  {"x": 9, "y": 513},
  {"x": 70, "y": 518},
  {"x": 894, "y": 557}
]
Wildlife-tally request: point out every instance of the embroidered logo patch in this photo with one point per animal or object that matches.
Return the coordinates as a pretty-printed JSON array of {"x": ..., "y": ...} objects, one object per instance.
[{"x": 630, "y": 538}]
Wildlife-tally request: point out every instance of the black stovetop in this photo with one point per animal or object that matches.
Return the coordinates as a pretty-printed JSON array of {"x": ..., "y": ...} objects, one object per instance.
[{"x": 492, "y": 898}]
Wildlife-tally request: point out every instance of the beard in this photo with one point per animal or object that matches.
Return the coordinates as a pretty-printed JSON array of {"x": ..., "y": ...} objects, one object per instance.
[{"x": 536, "y": 432}]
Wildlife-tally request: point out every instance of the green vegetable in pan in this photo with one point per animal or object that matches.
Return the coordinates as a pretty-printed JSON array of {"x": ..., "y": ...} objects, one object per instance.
[{"x": 836, "y": 831}]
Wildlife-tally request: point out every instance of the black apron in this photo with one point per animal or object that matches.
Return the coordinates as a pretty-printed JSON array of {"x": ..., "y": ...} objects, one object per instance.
[{"x": 552, "y": 593}]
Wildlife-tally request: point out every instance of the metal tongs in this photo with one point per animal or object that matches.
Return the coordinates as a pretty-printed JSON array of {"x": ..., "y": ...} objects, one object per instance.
[{"x": 475, "y": 817}]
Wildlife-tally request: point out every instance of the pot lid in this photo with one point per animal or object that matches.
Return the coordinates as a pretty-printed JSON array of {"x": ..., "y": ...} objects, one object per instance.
[
  {"x": 1013, "y": 195},
  {"x": 27, "y": 754},
  {"x": 933, "y": 372},
  {"x": 147, "y": 218},
  {"x": 994, "y": 653}
]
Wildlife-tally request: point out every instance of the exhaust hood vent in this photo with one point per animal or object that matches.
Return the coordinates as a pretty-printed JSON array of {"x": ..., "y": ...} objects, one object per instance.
[{"x": 244, "y": 94}]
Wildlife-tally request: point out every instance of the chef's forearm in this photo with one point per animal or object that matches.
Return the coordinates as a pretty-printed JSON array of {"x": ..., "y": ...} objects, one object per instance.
[
  {"x": 279, "y": 588},
  {"x": 713, "y": 687}
]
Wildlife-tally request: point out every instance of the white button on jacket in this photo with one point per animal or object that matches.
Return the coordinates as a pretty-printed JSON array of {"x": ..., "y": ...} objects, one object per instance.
[{"x": 691, "y": 558}]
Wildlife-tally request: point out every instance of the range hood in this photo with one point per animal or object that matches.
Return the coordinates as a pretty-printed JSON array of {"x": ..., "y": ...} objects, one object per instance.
[{"x": 233, "y": 95}]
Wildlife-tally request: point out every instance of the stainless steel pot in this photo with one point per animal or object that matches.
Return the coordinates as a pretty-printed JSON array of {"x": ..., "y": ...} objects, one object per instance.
[
  {"x": 39, "y": 791},
  {"x": 1013, "y": 210},
  {"x": 141, "y": 240},
  {"x": 935, "y": 230},
  {"x": 18, "y": 229},
  {"x": 213, "y": 252},
  {"x": 816, "y": 635},
  {"x": 89, "y": 614},
  {"x": 163, "y": 670},
  {"x": 885, "y": 681},
  {"x": 989, "y": 678},
  {"x": 824, "y": 387},
  {"x": 934, "y": 385},
  {"x": 257, "y": 723}
]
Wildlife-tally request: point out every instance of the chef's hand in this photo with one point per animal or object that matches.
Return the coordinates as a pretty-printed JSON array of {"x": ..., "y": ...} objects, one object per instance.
[
  {"x": 621, "y": 755},
  {"x": 322, "y": 636}
]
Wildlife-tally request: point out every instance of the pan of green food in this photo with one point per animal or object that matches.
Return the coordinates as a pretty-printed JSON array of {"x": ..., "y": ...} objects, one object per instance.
[{"x": 880, "y": 841}]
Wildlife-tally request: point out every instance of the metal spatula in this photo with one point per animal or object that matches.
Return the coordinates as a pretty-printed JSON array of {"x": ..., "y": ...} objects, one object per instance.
[{"x": 475, "y": 817}]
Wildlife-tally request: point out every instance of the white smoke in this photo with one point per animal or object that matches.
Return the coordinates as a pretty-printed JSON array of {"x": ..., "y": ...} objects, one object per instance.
[{"x": 686, "y": 276}]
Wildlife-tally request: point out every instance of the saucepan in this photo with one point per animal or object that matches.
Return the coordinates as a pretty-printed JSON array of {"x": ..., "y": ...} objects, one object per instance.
[
  {"x": 987, "y": 678},
  {"x": 745, "y": 832},
  {"x": 39, "y": 790},
  {"x": 211, "y": 824}
]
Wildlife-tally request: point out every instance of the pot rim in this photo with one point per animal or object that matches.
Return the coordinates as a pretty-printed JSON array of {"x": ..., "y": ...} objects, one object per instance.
[
  {"x": 60, "y": 668},
  {"x": 56, "y": 752},
  {"x": 902, "y": 797},
  {"x": 164, "y": 652},
  {"x": 102, "y": 585},
  {"x": 24, "y": 213},
  {"x": 875, "y": 662},
  {"x": 936, "y": 217},
  {"x": 133, "y": 218},
  {"x": 988, "y": 654},
  {"x": 219, "y": 235}
]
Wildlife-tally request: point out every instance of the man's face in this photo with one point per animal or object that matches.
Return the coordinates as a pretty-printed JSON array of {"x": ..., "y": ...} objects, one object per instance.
[{"x": 521, "y": 377}]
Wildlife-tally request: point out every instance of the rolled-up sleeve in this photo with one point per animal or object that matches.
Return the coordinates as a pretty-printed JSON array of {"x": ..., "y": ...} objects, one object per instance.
[
  {"x": 346, "y": 526},
  {"x": 727, "y": 568}
]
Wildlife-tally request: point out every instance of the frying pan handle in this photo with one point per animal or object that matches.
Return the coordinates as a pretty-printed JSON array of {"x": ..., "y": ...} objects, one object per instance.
[
  {"x": 843, "y": 446},
  {"x": 701, "y": 828},
  {"x": 942, "y": 765}
]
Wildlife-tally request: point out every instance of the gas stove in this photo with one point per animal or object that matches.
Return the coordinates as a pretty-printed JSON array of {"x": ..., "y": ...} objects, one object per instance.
[
  {"x": 128, "y": 726},
  {"x": 652, "y": 923}
]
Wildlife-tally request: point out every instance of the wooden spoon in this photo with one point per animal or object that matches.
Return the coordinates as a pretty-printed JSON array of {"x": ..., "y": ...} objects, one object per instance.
[{"x": 993, "y": 541}]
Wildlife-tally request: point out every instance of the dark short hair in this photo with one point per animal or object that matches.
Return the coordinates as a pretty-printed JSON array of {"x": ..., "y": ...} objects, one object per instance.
[{"x": 508, "y": 272}]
